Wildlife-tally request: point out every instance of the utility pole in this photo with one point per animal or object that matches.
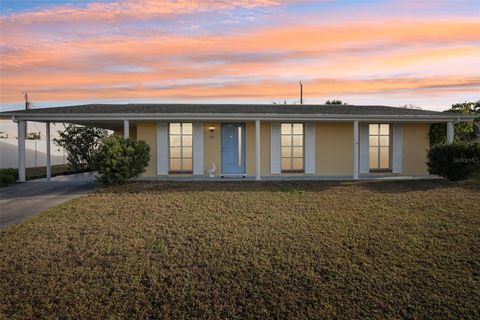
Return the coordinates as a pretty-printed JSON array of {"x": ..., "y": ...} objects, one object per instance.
[{"x": 301, "y": 92}]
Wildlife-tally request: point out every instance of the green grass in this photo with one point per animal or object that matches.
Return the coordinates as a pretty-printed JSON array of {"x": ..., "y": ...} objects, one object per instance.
[{"x": 377, "y": 250}]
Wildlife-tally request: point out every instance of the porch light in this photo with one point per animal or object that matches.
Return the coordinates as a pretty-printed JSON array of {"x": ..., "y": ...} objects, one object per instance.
[{"x": 212, "y": 129}]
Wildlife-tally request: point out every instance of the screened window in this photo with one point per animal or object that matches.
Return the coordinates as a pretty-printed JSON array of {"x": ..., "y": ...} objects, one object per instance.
[
  {"x": 379, "y": 142},
  {"x": 181, "y": 151},
  {"x": 292, "y": 147}
]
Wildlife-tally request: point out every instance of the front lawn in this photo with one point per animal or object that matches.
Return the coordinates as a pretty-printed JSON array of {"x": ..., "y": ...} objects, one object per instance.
[{"x": 406, "y": 249}]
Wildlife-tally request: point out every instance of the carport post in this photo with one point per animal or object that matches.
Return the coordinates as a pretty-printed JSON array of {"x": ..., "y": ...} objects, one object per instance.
[
  {"x": 355, "y": 150},
  {"x": 126, "y": 129},
  {"x": 450, "y": 132},
  {"x": 21, "y": 150},
  {"x": 47, "y": 154}
]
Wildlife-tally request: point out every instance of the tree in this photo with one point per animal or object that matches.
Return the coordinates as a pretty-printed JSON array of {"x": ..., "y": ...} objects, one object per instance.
[
  {"x": 335, "y": 102},
  {"x": 81, "y": 144},
  {"x": 464, "y": 131},
  {"x": 120, "y": 159}
]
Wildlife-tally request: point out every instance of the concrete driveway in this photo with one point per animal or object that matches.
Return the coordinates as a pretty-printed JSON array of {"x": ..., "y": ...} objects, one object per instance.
[{"x": 26, "y": 199}]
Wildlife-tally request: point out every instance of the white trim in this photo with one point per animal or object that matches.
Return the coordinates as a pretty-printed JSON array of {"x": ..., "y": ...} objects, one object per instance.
[
  {"x": 275, "y": 137},
  {"x": 197, "y": 148},
  {"x": 257, "y": 150},
  {"x": 364, "y": 149},
  {"x": 309, "y": 148},
  {"x": 232, "y": 117},
  {"x": 397, "y": 148},
  {"x": 355, "y": 150},
  {"x": 126, "y": 129},
  {"x": 162, "y": 148},
  {"x": 48, "y": 152}
]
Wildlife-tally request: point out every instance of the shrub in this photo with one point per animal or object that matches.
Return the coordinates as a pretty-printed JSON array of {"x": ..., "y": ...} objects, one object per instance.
[
  {"x": 456, "y": 161},
  {"x": 8, "y": 177},
  {"x": 81, "y": 144},
  {"x": 119, "y": 159}
]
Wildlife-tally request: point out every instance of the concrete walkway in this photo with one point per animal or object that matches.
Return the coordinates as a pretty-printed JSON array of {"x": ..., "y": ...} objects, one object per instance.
[{"x": 26, "y": 199}]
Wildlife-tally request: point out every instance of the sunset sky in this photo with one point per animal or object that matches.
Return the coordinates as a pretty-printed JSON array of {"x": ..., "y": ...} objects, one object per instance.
[{"x": 424, "y": 53}]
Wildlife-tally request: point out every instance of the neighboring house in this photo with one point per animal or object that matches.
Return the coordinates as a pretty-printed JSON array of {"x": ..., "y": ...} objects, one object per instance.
[{"x": 259, "y": 141}]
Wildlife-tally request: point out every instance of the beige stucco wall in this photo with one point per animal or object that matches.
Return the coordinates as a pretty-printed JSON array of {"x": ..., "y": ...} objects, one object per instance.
[
  {"x": 415, "y": 146},
  {"x": 148, "y": 132},
  {"x": 132, "y": 132},
  {"x": 212, "y": 146},
  {"x": 334, "y": 149},
  {"x": 251, "y": 150}
]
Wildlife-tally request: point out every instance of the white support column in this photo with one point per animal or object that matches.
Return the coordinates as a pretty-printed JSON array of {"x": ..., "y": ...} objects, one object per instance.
[
  {"x": 355, "y": 150},
  {"x": 450, "y": 132},
  {"x": 126, "y": 129},
  {"x": 21, "y": 150},
  {"x": 48, "y": 153},
  {"x": 257, "y": 150}
]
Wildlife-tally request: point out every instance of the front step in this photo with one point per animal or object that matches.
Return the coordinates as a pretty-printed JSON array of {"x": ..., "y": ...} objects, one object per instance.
[{"x": 233, "y": 176}]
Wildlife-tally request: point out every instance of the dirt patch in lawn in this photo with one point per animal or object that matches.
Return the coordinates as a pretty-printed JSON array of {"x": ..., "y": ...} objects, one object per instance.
[{"x": 406, "y": 249}]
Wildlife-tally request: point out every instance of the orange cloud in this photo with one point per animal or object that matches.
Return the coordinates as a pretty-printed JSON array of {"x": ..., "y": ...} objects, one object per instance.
[
  {"x": 271, "y": 89},
  {"x": 383, "y": 56}
]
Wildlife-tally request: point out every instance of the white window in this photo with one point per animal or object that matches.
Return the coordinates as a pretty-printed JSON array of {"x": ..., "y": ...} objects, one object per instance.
[
  {"x": 379, "y": 142},
  {"x": 291, "y": 147},
  {"x": 181, "y": 152}
]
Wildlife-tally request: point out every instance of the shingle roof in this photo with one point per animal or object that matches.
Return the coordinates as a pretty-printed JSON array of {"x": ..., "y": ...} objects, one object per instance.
[{"x": 232, "y": 109}]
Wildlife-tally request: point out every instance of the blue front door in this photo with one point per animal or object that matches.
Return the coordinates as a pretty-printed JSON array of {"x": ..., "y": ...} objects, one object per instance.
[{"x": 233, "y": 148}]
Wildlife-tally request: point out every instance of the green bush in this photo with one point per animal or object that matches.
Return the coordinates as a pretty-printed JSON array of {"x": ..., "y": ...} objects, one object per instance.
[
  {"x": 456, "y": 161},
  {"x": 120, "y": 159},
  {"x": 81, "y": 144},
  {"x": 8, "y": 177}
]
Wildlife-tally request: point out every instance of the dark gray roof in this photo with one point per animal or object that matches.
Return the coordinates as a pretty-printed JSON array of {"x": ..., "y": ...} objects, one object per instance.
[{"x": 232, "y": 109}]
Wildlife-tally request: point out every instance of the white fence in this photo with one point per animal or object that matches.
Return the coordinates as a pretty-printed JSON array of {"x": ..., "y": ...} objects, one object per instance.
[{"x": 35, "y": 153}]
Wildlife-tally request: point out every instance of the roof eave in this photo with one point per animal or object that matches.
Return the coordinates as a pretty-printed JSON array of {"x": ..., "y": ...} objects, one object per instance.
[{"x": 65, "y": 117}]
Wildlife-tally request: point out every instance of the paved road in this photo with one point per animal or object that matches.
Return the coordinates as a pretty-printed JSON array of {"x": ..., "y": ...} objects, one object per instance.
[{"x": 23, "y": 200}]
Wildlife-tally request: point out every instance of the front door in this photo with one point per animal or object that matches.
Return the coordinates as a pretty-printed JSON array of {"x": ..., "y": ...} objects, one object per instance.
[{"x": 233, "y": 148}]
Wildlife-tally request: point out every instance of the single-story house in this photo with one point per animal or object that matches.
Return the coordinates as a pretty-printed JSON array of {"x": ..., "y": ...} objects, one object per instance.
[{"x": 261, "y": 141}]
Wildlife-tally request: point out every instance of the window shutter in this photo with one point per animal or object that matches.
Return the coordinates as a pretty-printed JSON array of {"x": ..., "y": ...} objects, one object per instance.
[
  {"x": 197, "y": 148},
  {"x": 397, "y": 147},
  {"x": 364, "y": 149},
  {"x": 275, "y": 149},
  {"x": 310, "y": 148},
  {"x": 162, "y": 148}
]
